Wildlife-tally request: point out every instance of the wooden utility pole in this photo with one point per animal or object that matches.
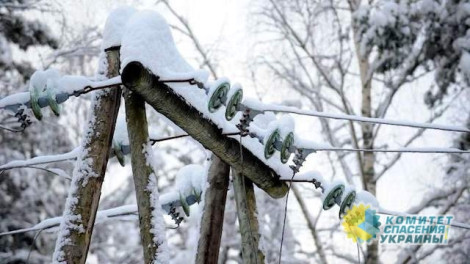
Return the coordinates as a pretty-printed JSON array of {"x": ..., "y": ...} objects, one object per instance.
[
  {"x": 142, "y": 171},
  {"x": 85, "y": 190},
  {"x": 212, "y": 221},
  {"x": 163, "y": 99},
  {"x": 247, "y": 218}
]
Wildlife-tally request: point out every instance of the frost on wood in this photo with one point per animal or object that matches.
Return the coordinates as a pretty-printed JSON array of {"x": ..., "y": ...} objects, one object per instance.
[
  {"x": 85, "y": 190},
  {"x": 84, "y": 193},
  {"x": 157, "y": 222},
  {"x": 247, "y": 218},
  {"x": 212, "y": 219},
  {"x": 144, "y": 166}
]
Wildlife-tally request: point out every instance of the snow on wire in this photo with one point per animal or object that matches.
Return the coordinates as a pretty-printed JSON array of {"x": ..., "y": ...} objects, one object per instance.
[{"x": 62, "y": 87}]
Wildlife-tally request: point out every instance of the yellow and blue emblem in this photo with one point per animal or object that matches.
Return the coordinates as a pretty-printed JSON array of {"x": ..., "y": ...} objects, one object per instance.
[{"x": 361, "y": 223}]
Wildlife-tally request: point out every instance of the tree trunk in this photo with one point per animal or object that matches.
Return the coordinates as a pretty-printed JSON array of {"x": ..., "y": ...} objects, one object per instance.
[
  {"x": 142, "y": 171},
  {"x": 213, "y": 214},
  {"x": 247, "y": 218},
  {"x": 85, "y": 190},
  {"x": 165, "y": 101},
  {"x": 368, "y": 181},
  {"x": 311, "y": 225}
]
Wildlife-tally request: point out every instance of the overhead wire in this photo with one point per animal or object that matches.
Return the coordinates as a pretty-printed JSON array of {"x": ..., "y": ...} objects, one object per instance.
[{"x": 291, "y": 110}]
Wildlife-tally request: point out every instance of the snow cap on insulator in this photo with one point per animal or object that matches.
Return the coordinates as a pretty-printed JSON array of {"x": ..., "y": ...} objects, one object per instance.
[
  {"x": 286, "y": 125},
  {"x": 191, "y": 178},
  {"x": 39, "y": 78},
  {"x": 366, "y": 198},
  {"x": 332, "y": 193}
]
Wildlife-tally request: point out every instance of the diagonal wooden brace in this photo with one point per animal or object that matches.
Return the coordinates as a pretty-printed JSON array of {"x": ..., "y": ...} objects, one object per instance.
[{"x": 164, "y": 100}]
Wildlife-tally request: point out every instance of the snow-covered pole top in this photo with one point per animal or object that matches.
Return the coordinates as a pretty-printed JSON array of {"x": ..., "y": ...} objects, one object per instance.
[
  {"x": 115, "y": 23},
  {"x": 147, "y": 39},
  {"x": 148, "y": 55}
]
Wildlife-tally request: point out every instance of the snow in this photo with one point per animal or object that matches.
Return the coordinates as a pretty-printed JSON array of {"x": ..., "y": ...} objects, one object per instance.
[
  {"x": 286, "y": 125},
  {"x": 59, "y": 172},
  {"x": 366, "y": 198},
  {"x": 169, "y": 198},
  {"x": 17, "y": 98},
  {"x": 191, "y": 178},
  {"x": 42, "y": 160},
  {"x": 157, "y": 222},
  {"x": 272, "y": 126},
  {"x": 347, "y": 189},
  {"x": 306, "y": 176},
  {"x": 115, "y": 22},
  {"x": 70, "y": 84},
  {"x": 257, "y": 131},
  {"x": 5, "y": 51},
  {"x": 39, "y": 78},
  {"x": 263, "y": 120},
  {"x": 106, "y": 82},
  {"x": 309, "y": 144},
  {"x": 213, "y": 85},
  {"x": 102, "y": 216},
  {"x": 81, "y": 174},
  {"x": 147, "y": 39},
  {"x": 328, "y": 186},
  {"x": 465, "y": 64},
  {"x": 280, "y": 108},
  {"x": 52, "y": 79},
  {"x": 121, "y": 135}
]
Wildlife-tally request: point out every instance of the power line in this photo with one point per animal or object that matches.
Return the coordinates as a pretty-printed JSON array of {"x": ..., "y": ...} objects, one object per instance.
[
  {"x": 402, "y": 150},
  {"x": 72, "y": 154},
  {"x": 155, "y": 140},
  {"x": 292, "y": 110}
]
